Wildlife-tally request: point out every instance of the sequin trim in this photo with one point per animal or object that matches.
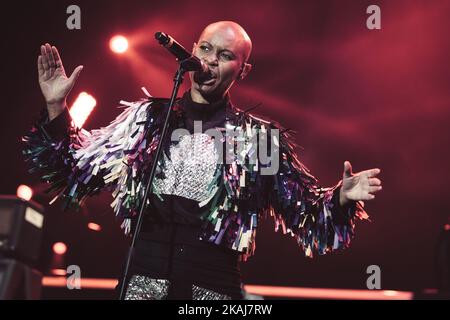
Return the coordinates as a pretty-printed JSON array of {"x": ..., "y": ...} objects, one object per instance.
[{"x": 146, "y": 288}]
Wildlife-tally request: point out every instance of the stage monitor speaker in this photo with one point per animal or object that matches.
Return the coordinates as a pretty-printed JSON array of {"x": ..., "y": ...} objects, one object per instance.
[
  {"x": 21, "y": 226},
  {"x": 19, "y": 281}
]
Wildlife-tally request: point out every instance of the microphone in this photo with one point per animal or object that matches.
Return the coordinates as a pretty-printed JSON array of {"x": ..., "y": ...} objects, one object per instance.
[{"x": 188, "y": 61}]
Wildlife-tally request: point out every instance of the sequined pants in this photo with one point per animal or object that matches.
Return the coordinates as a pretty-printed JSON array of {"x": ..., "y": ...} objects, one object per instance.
[{"x": 146, "y": 288}]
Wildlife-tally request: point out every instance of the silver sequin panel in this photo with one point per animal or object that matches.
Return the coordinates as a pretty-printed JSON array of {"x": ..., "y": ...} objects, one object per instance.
[
  {"x": 146, "y": 288},
  {"x": 191, "y": 168},
  {"x": 199, "y": 293}
]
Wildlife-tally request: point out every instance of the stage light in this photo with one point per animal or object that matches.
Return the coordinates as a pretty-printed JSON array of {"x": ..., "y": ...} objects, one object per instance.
[
  {"x": 118, "y": 44},
  {"x": 94, "y": 227},
  {"x": 82, "y": 108},
  {"x": 58, "y": 272},
  {"x": 24, "y": 192},
  {"x": 390, "y": 293},
  {"x": 59, "y": 248}
]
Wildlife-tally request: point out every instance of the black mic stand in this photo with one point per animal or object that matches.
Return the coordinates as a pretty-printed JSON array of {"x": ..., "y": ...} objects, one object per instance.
[{"x": 185, "y": 65}]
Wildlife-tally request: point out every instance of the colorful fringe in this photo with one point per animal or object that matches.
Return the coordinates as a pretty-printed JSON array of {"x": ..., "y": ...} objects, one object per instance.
[{"x": 118, "y": 158}]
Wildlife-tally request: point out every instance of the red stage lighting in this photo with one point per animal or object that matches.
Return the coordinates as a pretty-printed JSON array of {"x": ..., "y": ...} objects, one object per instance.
[
  {"x": 58, "y": 272},
  {"x": 24, "y": 192},
  {"x": 94, "y": 226},
  {"x": 118, "y": 44},
  {"x": 82, "y": 108},
  {"x": 59, "y": 248}
]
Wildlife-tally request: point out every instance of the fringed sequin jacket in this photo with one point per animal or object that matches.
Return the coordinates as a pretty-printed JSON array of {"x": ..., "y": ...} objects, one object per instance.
[{"x": 118, "y": 158}]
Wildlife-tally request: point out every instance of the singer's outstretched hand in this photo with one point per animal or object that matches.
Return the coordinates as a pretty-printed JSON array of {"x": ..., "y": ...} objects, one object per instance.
[{"x": 359, "y": 186}]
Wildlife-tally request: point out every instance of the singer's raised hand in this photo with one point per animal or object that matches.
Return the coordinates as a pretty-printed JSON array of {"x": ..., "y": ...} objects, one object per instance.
[{"x": 54, "y": 83}]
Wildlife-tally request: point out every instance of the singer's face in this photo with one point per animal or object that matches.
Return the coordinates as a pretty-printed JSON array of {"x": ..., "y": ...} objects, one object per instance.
[{"x": 224, "y": 51}]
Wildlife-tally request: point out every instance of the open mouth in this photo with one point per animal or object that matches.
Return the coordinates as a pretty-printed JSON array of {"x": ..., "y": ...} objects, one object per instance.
[{"x": 205, "y": 78}]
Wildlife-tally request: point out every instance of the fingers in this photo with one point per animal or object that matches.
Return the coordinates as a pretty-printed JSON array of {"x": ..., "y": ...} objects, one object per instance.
[
  {"x": 347, "y": 169},
  {"x": 44, "y": 59},
  {"x": 40, "y": 66},
  {"x": 57, "y": 57},
  {"x": 373, "y": 172},
  {"x": 75, "y": 74},
  {"x": 370, "y": 173},
  {"x": 374, "y": 182},
  {"x": 369, "y": 197},
  {"x": 375, "y": 189},
  {"x": 51, "y": 58}
]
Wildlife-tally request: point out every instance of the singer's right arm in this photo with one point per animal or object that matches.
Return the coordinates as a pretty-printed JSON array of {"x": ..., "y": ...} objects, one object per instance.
[
  {"x": 68, "y": 159},
  {"x": 49, "y": 145},
  {"x": 49, "y": 149}
]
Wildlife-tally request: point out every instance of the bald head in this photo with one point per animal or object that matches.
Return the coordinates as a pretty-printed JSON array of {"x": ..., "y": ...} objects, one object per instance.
[
  {"x": 233, "y": 34},
  {"x": 224, "y": 47}
]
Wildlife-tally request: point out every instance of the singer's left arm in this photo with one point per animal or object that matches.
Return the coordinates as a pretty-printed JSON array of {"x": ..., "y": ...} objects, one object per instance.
[{"x": 322, "y": 220}]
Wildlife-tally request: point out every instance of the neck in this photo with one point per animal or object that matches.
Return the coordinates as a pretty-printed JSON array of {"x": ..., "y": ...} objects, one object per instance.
[{"x": 211, "y": 114}]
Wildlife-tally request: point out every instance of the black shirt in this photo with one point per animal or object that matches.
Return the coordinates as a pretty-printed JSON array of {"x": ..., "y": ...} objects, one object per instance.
[{"x": 168, "y": 247}]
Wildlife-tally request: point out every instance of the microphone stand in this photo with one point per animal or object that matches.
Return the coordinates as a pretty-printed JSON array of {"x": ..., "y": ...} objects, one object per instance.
[{"x": 185, "y": 65}]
